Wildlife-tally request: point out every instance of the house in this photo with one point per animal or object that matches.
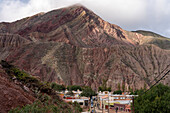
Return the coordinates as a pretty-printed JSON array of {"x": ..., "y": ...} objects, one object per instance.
[
  {"x": 122, "y": 107},
  {"x": 108, "y": 100},
  {"x": 83, "y": 101}
]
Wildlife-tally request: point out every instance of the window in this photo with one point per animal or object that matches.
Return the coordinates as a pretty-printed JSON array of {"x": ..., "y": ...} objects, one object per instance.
[
  {"x": 122, "y": 97},
  {"x": 116, "y": 97},
  {"x": 81, "y": 103}
]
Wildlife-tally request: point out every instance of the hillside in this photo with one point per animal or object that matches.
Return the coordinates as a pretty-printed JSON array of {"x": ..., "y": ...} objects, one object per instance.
[
  {"x": 27, "y": 93},
  {"x": 73, "y": 45},
  {"x": 12, "y": 95},
  {"x": 156, "y": 39}
]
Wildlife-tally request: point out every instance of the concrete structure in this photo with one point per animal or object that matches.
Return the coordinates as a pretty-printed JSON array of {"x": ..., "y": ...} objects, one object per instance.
[
  {"x": 108, "y": 100},
  {"x": 83, "y": 101},
  {"x": 63, "y": 94},
  {"x": 77, "y": 93},
  {"x": 122, "y": 107}
]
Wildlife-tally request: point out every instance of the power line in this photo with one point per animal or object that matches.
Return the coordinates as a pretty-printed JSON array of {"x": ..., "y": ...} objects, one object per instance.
[
  {"x": 160, "y": 73},
  {"x": 150, "y": 88},
  {"x": 156, "y": 82}
]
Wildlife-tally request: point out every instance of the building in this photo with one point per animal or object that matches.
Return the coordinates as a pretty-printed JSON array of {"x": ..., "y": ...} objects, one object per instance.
[
  {"x": 122, "y": 107},
  {"x": 108, "y": 100},
  {"x": 83, "y": 101}
]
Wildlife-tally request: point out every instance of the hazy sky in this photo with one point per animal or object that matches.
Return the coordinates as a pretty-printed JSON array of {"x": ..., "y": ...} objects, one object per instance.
[{"x": 152, "y": 15}]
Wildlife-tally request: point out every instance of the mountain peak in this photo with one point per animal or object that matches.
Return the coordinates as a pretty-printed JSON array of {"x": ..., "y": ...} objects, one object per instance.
[
  {"x": 76, "y": 5},
  {"x": 75, "y": 25}
]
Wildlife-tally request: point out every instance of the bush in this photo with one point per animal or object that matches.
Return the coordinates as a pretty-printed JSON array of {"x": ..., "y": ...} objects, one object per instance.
[
  {"x": 77, "y": 107},
  {"x": 44, "y": 105},
  {"x": 19, "y": 74},
  {"x": 36, "y": 107}
]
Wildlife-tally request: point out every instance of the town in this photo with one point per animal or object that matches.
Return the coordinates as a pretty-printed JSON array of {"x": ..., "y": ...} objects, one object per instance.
[{"x": 99, "y": 102}]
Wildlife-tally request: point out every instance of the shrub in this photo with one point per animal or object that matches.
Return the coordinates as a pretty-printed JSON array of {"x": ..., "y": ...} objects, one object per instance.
[{"x": 77, "y": 107}]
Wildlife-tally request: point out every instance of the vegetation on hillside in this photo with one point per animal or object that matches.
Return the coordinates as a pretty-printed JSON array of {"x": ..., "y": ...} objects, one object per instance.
[
  {"x": 47, "y": 101},
  {"x": 44, "y": 104},
  {"x": 74, "y": 87},
  {"x": 156, "y": 100},
  {"x": 57, "y": 87}
]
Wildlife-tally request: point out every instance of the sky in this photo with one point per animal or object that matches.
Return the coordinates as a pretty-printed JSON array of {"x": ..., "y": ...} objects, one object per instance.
[{"x": 131, "y": 15}]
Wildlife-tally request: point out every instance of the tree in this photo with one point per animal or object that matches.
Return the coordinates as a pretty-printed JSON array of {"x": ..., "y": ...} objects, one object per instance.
[
  {"x": 156, "y": 100},
  {"x": 118, "y": 86},
  {"x": 117, "y": 92},
  {"x": 137, "y": 92},
  {"x": 57, "y": 87},
  {"x": 74, "y": 87},
  {"x": 123, "y": 87},
  {"x": 109, "y": 89},
  {"x": 88, "y": 92},
  {"x": 103, "y": 87}
]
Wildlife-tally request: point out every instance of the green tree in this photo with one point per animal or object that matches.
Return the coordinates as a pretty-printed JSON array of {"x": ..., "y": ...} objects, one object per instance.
[
  {"x": 118, "y": 86},
  {"x": 109, "y": 89},
  {"x": 88, "y": 92},
  {"x": 57, "y": 87},
  {"x": 156, "y": 100},
  {"x": 123, "y": 87},
  {"x": 117, "y": 92},
  {"x": 100, "y": 89},
  {"x": 103, "y": 87},
  {"x": 74, "y": 87}
]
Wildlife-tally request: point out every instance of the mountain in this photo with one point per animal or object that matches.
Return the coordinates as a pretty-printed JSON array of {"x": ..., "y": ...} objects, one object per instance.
[
  {"x": 21, "y": 92},
  {"x": 73, "y": 45},
  {"x": 156, "y": 39},
  {"x": 12, "y": 95}
]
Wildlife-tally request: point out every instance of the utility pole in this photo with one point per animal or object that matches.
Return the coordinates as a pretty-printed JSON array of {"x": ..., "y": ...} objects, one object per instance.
[
  {"x": 133, "y": 107},
  {"x": 108, "y": 102},
  {"x": 102, "y": 105},
  {"x": 94, "y": 106}
]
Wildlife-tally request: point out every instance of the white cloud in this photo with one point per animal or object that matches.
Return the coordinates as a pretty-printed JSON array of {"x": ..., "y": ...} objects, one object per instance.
[
  {"x": 119, "y": 10},
  {"x": 11, "y": 10},
  {"x": 129, "y": 14}
]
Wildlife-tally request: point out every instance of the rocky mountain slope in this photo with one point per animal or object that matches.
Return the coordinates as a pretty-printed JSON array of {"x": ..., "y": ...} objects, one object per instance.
[
  {"x": 73, "y": 45},
  {"x": 11, "y": 94},
  {"x": 21, "y": 92}
]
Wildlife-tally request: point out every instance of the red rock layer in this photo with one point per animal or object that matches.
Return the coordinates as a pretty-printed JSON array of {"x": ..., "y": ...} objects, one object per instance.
[{"x": 11, "y": 95}]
